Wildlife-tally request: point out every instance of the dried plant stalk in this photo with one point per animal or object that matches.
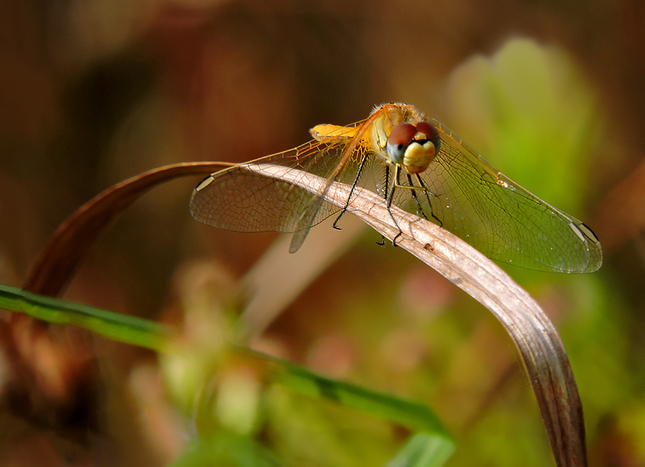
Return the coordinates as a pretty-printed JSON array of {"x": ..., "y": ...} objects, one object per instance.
[{"x": 535, "y": 337}]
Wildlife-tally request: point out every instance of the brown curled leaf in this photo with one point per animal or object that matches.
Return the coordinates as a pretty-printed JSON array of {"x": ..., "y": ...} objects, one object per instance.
[{"x": 65, "y": 249}]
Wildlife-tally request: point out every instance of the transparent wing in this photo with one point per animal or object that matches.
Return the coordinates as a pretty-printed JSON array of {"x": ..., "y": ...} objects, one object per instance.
[
  {"x": 501, "y": 219},
  {"x": 236, "y": 199}
]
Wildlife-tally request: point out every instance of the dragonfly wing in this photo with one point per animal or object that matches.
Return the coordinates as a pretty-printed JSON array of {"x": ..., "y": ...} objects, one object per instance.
[
  {"x": 307, "y": 221},
  {"x": 241, "y": 200},
  {"x": 500, "y": 218},
  {"x": 350, "y": 168}
]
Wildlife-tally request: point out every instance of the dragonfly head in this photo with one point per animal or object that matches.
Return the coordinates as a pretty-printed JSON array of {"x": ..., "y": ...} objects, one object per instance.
[{"x": 412, "y": 146}]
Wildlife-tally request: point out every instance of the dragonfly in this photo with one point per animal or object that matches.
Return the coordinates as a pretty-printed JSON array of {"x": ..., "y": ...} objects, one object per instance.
[{"x": 414, "y": 163}]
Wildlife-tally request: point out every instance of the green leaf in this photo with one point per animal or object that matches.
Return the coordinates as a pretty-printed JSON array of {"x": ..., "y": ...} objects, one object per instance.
[
  {"x": 431, "y": 446},
  {"x": 117, "y": 326}
]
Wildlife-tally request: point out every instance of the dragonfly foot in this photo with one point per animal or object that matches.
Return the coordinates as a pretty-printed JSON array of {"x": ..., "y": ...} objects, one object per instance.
[
  {"x": 335, "y": 224},
  {"x": 394, "y": 239}
]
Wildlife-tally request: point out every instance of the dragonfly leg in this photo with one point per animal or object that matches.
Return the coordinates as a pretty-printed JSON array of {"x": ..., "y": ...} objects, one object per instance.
[
  {"x": 351, "y": 192},
  {"x": 427, "y": 192},
  {"x": 414, "y": 189},
  {"x": 390, "y": 197},
  {"x": 386, "y": 185},
  {"x": 413, "y": 192},
  {"x": 334, "y": 225}
]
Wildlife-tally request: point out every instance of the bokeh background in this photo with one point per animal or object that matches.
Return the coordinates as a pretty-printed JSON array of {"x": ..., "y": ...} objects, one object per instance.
[{"x": 93, "y": 92}]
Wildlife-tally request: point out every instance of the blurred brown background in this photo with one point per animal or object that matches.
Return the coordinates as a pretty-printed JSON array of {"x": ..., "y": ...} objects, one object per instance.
[{"x": 93, "y": 92}]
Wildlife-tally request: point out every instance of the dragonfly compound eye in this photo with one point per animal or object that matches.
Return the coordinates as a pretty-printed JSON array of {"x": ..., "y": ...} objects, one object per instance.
[
  {"x": 399, "y": 140},
  {"x": 413, "y": 147},
  {"x": 430, "y": 132}
]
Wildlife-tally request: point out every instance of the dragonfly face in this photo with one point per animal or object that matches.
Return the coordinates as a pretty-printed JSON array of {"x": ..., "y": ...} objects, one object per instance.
[
  {"x": 417, "y": 164},
  {"x": 413, "y": 147}
]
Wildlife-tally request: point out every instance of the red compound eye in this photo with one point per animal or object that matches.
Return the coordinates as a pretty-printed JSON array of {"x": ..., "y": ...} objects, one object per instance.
[
  {"x": 402, "y": 134},
  {"x": 428, "y": 130}
]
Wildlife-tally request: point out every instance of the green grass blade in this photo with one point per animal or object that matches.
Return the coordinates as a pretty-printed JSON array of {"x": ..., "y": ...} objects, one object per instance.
[
  {"x": 431, "y": 445},
  {"x": 116, "y": 326}
]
